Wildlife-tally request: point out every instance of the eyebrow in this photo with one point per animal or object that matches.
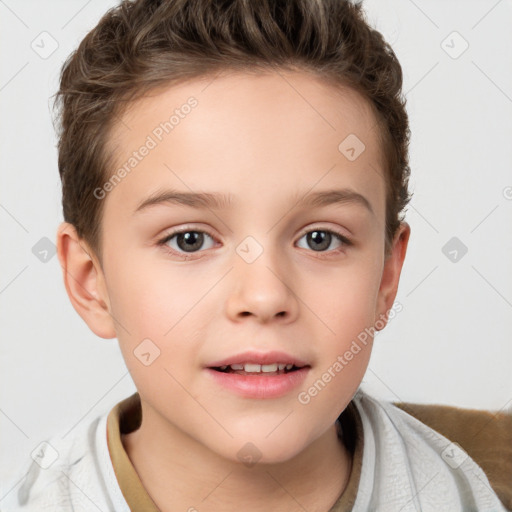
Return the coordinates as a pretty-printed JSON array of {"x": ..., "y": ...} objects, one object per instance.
[{"x": 217, "y": 201}]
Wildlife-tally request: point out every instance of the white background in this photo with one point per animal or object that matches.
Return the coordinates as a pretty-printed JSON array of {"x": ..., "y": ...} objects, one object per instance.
[{"x": 451, "y": 344}]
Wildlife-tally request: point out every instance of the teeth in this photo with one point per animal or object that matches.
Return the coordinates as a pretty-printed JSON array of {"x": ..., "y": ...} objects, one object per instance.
[{"x": 258, "y": 368}]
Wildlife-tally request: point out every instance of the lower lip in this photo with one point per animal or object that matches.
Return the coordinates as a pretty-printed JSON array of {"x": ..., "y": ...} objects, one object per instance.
[{"x": 260, "y": 385}]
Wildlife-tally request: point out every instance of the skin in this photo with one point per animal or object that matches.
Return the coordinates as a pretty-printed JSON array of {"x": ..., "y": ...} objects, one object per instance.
[{"x": 268, "y": 140}]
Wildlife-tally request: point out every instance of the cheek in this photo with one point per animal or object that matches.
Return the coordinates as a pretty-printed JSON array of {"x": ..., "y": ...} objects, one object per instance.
[
  {"x": 144, "y": 305},
  {"x": 345, "y": 340},
  {"x": 160, "y": 312},
  {"x": 347, "y": 302},
  {"x": 153, "y": 298},
  {"x": 159, "y": 342}
]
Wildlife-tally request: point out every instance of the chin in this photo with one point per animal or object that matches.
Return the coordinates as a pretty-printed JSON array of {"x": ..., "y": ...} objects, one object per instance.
[{"x": 262, "y": 450}]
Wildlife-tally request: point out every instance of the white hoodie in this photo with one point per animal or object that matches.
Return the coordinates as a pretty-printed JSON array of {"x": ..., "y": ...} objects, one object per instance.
[{"x": 406, "y": 467}]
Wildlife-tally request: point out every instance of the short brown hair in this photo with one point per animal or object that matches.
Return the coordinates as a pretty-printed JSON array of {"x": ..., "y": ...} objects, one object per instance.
[{"x": 141, "y": 45}]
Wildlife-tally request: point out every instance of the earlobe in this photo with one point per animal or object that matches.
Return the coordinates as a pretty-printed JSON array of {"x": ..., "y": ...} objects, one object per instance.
[
  {"x": 84, "y": 281},
  {"x": 391, "y": 273}
]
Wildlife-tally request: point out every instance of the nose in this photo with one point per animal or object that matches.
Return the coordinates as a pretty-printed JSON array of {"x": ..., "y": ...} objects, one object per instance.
[{"x": 262, "y": 289}]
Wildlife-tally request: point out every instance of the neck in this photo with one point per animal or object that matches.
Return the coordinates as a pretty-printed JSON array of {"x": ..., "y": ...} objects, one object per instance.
[{"x": 313, "y": 480}]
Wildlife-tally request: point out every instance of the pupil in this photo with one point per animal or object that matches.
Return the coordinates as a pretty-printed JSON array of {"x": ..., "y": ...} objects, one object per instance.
[
  {"x": 192, "y": 240},
  {"x": 322, "y": 238}
]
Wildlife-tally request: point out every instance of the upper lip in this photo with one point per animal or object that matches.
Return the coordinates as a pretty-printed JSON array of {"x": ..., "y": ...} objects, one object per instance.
[{"x": 254, "y": 357}]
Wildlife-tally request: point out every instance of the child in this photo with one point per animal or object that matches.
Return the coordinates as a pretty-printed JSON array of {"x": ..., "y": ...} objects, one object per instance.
[{"x": 206, "y": 148}]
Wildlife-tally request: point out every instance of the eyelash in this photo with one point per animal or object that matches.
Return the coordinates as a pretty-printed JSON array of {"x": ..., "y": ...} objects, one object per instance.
[{"x": 323, "y": 254}]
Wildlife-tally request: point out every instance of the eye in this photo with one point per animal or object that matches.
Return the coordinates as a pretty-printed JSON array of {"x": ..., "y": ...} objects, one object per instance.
[
  {"x": 186, "y": 241},
  {"x": 322, "y": 239},
  {"x": 189, "y": 241}
]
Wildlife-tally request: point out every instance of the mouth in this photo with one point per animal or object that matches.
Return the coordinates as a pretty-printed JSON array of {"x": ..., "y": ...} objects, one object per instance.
[
  {"x": 259, "y": 369},
  {"x": 259, "y": 375}
]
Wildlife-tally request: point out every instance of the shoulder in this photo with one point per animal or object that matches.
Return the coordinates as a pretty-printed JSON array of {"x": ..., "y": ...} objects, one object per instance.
[
  {"x": 64, "y": 473},
  {"x": 404, "y": 458},
  {"x": 486, "y": 436}
]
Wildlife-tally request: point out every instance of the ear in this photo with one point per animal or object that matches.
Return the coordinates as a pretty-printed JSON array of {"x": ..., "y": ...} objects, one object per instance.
[
  {"x": 391, "y": 273},
  {"x": 84, "y": 281}
]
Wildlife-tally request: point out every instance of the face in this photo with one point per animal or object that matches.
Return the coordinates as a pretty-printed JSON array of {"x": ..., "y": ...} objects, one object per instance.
[{"x": 284, "y": 267}]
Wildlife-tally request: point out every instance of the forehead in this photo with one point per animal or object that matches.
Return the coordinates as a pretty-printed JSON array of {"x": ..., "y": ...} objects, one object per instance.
[{"x": 276, "y": 130}]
